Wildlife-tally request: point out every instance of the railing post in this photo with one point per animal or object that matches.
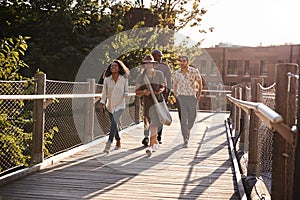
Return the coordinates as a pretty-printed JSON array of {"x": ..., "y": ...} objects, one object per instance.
[
  {"x": 233, "y": 108},
  {"x": 283, "y": 155},
  {"x": 38, "y": 120},
  {"x": 253, "y": 129},
  {"x": 237, "y": 111},
  {"x": 89, "y": 119},
  {"x": 296, "y": 193},
  {"x": 244, "y": 122}
]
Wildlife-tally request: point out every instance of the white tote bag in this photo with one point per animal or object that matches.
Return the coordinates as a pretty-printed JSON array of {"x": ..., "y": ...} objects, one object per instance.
[{"x": 160, "y": 107}]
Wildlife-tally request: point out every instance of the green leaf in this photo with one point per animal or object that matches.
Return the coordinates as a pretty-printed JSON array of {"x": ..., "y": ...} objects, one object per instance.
[
  {"x": 23, "y": 46},
  {"x": 55, "y": 128}
]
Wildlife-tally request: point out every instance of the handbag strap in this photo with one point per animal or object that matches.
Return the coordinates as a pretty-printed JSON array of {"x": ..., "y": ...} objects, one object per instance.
[{"x": 148, "y": 85}]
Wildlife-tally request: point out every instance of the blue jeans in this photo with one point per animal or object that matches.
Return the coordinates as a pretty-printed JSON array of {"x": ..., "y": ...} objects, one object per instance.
[
  {"x": 114, "y": 131},
  {"x": 187, "y": 114}
]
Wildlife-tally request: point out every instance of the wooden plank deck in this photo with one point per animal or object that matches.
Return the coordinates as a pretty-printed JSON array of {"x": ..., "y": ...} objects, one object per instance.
[{"x": 202, "y": 171}]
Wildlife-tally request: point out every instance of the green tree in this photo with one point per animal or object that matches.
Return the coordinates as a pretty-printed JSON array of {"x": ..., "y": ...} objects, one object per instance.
[
  {"x": 16, "y": 115},
  {"x": 13, "y": 138},
  {"x": 10, "y": 52},
  {"x": 70, "y": 29}
]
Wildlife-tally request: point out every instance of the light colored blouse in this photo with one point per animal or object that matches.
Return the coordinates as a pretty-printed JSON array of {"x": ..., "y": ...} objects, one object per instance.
[
  {"x": 114, "y": 93},
  {"x": 187, "y": 81}
]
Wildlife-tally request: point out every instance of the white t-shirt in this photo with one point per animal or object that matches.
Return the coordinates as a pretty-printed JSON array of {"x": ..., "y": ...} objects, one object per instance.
[{"x": 113, "y": 93}]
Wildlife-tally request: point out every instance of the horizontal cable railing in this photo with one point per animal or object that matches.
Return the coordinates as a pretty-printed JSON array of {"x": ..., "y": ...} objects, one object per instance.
[
  {"x": 65, "y": 107},
  {"x": 64, "y": 115},
  {"x": 263, "y": 129},
  {"x": 266, "y": 114}
]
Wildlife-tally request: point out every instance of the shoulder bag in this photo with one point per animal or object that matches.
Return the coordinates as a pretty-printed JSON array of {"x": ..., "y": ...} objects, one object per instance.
[{"x": 160, "y": 107}]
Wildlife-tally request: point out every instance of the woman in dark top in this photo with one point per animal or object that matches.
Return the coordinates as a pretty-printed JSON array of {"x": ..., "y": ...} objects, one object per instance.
[{"x": 156, "y": 78}]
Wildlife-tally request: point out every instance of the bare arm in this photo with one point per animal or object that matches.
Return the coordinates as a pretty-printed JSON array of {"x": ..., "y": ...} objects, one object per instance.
[
  {"x": 199, "y": 82},
  {"x": 140, "y": 92},
  {"x": 160, "y": 90}
]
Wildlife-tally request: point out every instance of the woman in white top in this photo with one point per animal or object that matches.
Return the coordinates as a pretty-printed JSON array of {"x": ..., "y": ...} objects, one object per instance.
[{"x": 114, "y": 93}]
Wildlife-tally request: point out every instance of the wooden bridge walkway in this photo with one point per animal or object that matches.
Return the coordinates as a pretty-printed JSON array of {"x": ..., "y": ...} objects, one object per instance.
[{"x": 202, "y": 171}]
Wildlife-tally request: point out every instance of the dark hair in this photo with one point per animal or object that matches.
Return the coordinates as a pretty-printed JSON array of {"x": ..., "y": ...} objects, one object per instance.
[
  {"x": 122, "y": 67},
  {"x": 184, "y": 57},
  {"x": 156, "y": 51}
]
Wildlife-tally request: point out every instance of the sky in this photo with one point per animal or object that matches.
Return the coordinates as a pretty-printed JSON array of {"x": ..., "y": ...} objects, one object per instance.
[{"x": 248, "y": 22}]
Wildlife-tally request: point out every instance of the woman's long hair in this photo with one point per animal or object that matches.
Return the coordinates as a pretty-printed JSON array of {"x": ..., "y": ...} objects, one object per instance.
[{"x": 123, "y": 70}]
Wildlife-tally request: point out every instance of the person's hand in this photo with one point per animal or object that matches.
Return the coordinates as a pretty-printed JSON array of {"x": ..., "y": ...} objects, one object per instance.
[
  {"x": 146, "y": 92},
  {"x": 160, "y": 90},
  {"x": 101, "y": 108},
  {"x": 157, "y": 91},
  {"x": 198, "y": 96}
]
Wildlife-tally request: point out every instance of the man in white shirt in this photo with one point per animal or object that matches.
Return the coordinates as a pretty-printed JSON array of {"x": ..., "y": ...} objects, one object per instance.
[{"x": 187, "y": 90}]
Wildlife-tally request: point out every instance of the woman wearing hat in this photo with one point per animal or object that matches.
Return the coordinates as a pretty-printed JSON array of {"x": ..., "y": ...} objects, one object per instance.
[{"x": 156, "y": 79}]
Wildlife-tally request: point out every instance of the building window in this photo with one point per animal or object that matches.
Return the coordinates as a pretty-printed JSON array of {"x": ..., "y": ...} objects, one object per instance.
[
  {"x": 203, "y": 67},
  {"x": 232, "y": 67},
  {"x": 280, "y": 61},
  {"x": 246, "y": 67},
  {"x": 213, "y": 68},
  {"x": 263, "y": 67}
]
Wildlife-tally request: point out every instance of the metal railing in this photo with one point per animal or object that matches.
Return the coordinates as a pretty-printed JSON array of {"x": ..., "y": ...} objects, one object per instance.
[
  {"x": 58, "y": 116},
  {"x": 69, "y": 113},
  {"x": 263, "y": 127}
]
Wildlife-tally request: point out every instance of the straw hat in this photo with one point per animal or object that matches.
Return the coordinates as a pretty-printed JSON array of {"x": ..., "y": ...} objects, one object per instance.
[{"x": 148, "y": 59}]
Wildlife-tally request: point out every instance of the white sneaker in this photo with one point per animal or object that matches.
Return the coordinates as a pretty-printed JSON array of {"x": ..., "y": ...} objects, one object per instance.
[
  {"x": 149, "y": 151},
  {"x": 155, "y": 147},
  {"x": 107, "y": 147}
]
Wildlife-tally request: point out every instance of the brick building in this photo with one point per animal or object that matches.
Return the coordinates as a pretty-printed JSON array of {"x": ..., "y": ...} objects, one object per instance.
[
  {"x": 240, "y": 64},
  {"x": 224, "y": 66}
]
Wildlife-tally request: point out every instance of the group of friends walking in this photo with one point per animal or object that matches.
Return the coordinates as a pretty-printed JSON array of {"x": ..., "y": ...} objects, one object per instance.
[{"x": 187, "y": 87}]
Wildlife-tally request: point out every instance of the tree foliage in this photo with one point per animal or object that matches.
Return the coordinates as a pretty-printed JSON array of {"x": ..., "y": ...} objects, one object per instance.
[
  {"x": 177, "y": 14},
  {"x": 10, "y": 52},
  {"x": 61, "y": 29},
  {"x": 13, "y": 138},
  {"x": 16, "y": 115}
]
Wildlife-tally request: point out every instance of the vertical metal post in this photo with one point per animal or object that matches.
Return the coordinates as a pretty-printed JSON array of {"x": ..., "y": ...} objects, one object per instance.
[
  {"x": 38, "y": 120},
  {"x": 90, "y": 109}
]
